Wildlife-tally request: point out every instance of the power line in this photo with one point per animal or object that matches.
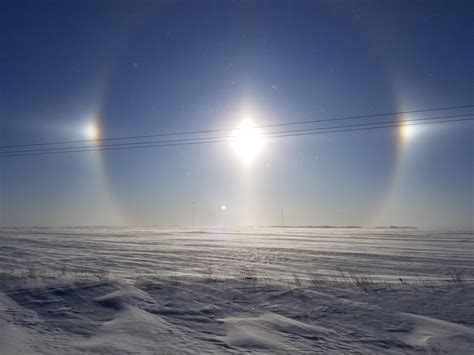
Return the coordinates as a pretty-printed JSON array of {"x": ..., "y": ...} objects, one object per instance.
[
  {"x": 232, "y": 129},
  {"x": 65, "y": 149},
  {"x": 376, "y": 123},
  {"x": 375, "y": 127},
  {"x": 347, "y": 128},
  {"x": 279, "y": 135},
  {"x": 222, "y": 137}
]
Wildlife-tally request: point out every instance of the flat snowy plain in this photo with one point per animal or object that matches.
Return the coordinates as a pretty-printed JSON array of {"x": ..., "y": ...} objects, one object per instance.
[{"x": 262, "y": 290}]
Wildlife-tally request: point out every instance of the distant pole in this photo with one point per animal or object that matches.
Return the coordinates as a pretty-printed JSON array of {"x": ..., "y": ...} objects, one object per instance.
[
  {"x": 281, "y": 217},
  {"x": 194, "y": 213}
]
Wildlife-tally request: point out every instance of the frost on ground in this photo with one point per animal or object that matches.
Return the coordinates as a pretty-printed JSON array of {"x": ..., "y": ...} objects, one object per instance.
[{"x": 263, "y": 300}]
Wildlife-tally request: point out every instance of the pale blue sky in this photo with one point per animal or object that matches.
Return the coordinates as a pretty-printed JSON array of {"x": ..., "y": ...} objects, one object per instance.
[{"x": 148, "y": 67}]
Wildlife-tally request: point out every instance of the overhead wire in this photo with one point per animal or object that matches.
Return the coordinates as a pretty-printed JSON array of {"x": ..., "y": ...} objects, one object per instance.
[
  {"x": 263, "y": 134},
  {"x": 196, "y": 132},
  {"x": 280, "y": 134}
]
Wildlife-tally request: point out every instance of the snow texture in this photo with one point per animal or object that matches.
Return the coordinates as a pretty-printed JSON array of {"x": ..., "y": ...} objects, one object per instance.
[{"x": 236, "y": 291}]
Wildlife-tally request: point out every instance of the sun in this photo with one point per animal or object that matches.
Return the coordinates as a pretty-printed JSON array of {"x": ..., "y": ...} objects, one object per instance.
[{"x": 247, "y": 141}]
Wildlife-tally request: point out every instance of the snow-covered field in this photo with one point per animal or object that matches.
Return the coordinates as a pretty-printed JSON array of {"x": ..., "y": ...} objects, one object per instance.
[{"x": 263, "y": 290}]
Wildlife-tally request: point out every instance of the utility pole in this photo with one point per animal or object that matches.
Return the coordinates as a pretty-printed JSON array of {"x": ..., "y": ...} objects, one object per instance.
[{"x": 194, "y": 212}]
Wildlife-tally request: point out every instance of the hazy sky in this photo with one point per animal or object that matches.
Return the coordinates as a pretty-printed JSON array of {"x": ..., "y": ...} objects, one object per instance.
[{"x": 144, "y": 67}]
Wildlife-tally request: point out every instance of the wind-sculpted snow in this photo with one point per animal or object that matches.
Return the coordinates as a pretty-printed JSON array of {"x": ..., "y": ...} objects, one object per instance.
[
  {"x": 188, "y": 317},
  {"x": 274, "y": 253},
  {"x": 255, "y": 290}
]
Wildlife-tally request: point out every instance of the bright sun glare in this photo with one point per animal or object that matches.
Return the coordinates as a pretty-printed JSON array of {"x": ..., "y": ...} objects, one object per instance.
[{"x": 247, "y": 141}]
